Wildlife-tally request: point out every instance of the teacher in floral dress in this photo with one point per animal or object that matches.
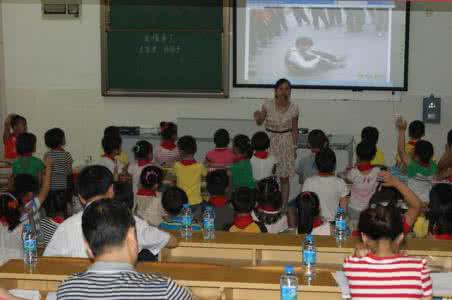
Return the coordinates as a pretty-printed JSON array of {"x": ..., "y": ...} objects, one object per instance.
[{"x": 280, "y": 118}]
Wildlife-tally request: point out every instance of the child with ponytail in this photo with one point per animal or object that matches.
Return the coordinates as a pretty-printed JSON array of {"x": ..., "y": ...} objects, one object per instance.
[
  {"x": 143, "y": 157},
  {"x": 148, "y": 199}
]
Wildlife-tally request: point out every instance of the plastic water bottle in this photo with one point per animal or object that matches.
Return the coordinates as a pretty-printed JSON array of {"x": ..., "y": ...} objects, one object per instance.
[
  {"x": 30, "y": 244},
  {"x": 309, "y": 256},
  {"x": 289, "y": 284},
  {"x": 341, "y": 225},
  {"x": 208, "y": 222},
  {"x": 187, "y": 219}
]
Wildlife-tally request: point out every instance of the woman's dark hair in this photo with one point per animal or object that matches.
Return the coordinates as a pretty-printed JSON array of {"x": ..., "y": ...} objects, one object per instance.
[
  {"x": 56, "y": 204},
  {"x": 173, "y": 200},
  {"x": 54, "y": 138},
  {"x": 221, "y": 138},
  {"x": 26, "y": 143},
  {"x": 381, "y": 222},
  {"x": 142, "y": 149},
  {"x": 94, "y": 181},
  {"x": 243, "y": 200},
  {"x": 124, "y": 193},
  {"x": 317, "y": 139},
  {"x": 269, "y": 201},
  {"x": 260, "y": 141},
  {"x": 242, "y": 144},
  {"x": 440, "y": 209},
  {"x": 187, "y": 144},
  {"x": 281, "y": 82},
  {"x": 10, "y": 210},
  {"x": 168, "y": 130},
  {"x": 308, "y": 206},
  {"x": 151, "y": 176}
]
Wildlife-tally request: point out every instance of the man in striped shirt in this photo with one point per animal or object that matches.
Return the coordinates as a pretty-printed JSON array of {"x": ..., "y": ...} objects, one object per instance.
[{"x": 111, "y": 240}]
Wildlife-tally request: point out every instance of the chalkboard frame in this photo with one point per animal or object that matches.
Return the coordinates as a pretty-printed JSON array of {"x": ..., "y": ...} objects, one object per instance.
[{"x": 110, "y": 92}]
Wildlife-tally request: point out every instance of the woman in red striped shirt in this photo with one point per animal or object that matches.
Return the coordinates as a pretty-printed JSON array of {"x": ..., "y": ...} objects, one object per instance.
[{"x": 384, "y": 273}]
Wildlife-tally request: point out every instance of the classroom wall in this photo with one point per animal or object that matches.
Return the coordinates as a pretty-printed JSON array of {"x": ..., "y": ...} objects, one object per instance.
[{"x": 52, "y": 76}]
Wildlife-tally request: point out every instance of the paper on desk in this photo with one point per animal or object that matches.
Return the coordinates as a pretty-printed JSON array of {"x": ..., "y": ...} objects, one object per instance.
[
  {"x": 51, "y": 296},
  {"x": 26, "y": 294},
  {"x": 441, "y": 283}
]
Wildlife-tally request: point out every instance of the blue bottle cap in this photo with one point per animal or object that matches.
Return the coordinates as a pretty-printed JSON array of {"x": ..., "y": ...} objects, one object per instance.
[
  {"x": 289, "y": 269},
  {"x": 340, "y": 210},
  {"x": 309, "y": 237},
  {"x": 27, "y": 226},
  {"x": 186, "y": 205}
]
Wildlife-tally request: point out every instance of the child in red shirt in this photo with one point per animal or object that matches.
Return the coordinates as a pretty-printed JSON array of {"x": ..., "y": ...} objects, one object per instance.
[
  {"x": 222, "y": 156},
  {"x": 14, "y": 126}
]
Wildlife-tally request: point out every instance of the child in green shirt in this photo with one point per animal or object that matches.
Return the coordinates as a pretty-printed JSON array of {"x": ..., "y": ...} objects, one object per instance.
[
  {"x": 241, "y": 172},
  {"x": 26, "y": 163}
]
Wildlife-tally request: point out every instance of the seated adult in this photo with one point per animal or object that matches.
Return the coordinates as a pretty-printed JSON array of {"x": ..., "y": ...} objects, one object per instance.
[
  {"x": 304, "y": 60},
  {"x": 109, "y": 229},
  {"x": 94, "y": 183}
]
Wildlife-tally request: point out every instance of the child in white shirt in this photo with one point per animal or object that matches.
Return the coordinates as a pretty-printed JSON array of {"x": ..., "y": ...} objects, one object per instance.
[
  {"x": 143, "y": 157},
  {"x": 262, "y": 163},
  {"x": 148, "y": 199}
]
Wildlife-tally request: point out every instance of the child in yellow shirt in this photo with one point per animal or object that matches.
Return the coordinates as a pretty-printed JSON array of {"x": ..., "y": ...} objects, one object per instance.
[
  {"x": 416, "y": 131},
  {"x": 370, "y": 134},
  {"x": 189, "y": 173}
]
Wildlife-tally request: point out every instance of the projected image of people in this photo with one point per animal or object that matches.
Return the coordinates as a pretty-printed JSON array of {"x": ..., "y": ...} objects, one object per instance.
[{"x": 335, "y": 43}]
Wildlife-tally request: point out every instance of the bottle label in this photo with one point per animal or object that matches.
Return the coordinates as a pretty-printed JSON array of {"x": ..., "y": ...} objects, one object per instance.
[
  {"x": 341, "y": 225},
  {"x": 29, "y": 245},
  {"x": 208, "y": 224},
  {"x": 309, "y": 257},
  {"x": 288, "y": 293},
  {"x": 186, "y": 220}
]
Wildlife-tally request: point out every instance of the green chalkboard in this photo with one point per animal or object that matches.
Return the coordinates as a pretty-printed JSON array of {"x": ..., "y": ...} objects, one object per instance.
[{"x": 163, "y": 47}]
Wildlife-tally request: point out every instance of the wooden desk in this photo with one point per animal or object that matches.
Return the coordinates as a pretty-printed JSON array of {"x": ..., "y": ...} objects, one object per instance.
[
  {"x": 241, "y": 249},
  {"x": 206, "y": 281}
]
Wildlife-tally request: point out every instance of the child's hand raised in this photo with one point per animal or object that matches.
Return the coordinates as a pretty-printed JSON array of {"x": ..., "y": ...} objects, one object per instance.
[
  {"x": 387, "y": 179},
  {"x": 401, "y": 124}
]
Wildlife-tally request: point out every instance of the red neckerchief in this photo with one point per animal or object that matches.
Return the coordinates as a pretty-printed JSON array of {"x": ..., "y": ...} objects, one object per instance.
[
  {"x": 324, "y": 174},
  {"x": 239, "y": 158},
  {"x": 450, "y": 178},
  {"x": 315, "y": 151},
  {"x": 363, "y": 167},
  {"x": 188, "y": 162},
  {"x": 412, "y": 143},
  {"x": 261, "y": 154},
  {"x": 143, "y": 162},
  {"x": 57, "y": 219},
  {"x": 109, "y": 156},
  {"x": 425, "y": 165},
  {"x": 168, "y": 144},
  {"x": 3, "y": 221},
  {"x": 218, "y": 201},
  {"x": 444, "y": 236},
  {"x": 317, "y": 222},
  {"x": 266, "y": 207},
  {"x": 242, "y": 221},
  {"x": 146, "y": 192},
  {"x": 221, "y": 149},
  {"x": 28, "y": 154}
]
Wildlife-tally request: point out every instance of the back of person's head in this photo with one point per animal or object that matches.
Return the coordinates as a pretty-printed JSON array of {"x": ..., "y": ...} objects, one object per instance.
[
  {"x": 440, "y": 209},
  {"x": 269, "y": 201},
  {"x": 56, "y": 205},
  {"x": 124, "y": 193},
  {"x": 94, "y": 181},
  {"x": 449, "y": 138},
  {"x": 423, "y": 150},
  {"x": 173, "y": 200},
  {"x": 260, "y": 141},
  {"x": 243, "y": 200},
  {"x": 385, "y": 196},
  {"x": 221, "y": 138},
  {"x": 325, "y": 160},
  {"x": 381, "y": 223},
  {"x": 242, "y": 146},
  {"x": 112, "y": 131},
  {"x": 151, "y": 177},
  {"x": 25, "y": 184},
  {"x": 217, "y": 182},
  {"x": 142, "y": 150},
  {"x": 18, "y": 121},
  {"x": 187, "y": 145},
  {"x": 416, "y": 129},
  {"x": 10, "y": 210},
  {"x": 370, "y": 134},
  {"x": 106, "y": 225},
  {"x": 168, "y": 130},
  {"x": 308, "y": 205},
  {"x": 365, "y": 151},
  {"x": 26, "y": 143},
  {"x": 111, "y": 144},
  {"x": 304, "y": 41},
  {"x": 317, "y": 139},
  {"x": 54, "y": 138}
]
